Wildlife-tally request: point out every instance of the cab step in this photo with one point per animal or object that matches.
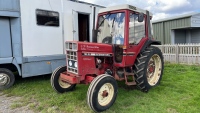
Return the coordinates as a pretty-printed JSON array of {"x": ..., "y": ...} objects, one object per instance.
[{"x": 132, "y": 81}]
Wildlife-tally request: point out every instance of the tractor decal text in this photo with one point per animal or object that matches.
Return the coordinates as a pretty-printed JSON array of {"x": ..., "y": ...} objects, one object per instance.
[
  {"x": 87, "y": 47},
  {"x": 96, "y": 54},
  {"x": 87, "y": 59}
]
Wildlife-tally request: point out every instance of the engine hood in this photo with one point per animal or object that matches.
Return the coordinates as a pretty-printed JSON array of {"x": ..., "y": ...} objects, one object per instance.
[{"x": 91, "y": 47}]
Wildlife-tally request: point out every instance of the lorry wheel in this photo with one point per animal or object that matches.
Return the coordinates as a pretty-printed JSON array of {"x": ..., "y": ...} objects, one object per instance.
[
  {"x": 7, "y": 78},
  {"x": 57, "y": 84},
  {"x": 102, "y": 93},
  {"x": 148, "y": 68}
]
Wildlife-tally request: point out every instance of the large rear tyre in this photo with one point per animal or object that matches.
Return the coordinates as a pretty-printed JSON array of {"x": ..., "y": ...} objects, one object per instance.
[
  {"x": 148, "y": 68},
  {"x": 57, "y": 84},
  {"x": 102, "y": 93},
  {"x": 7, "y": 78}
]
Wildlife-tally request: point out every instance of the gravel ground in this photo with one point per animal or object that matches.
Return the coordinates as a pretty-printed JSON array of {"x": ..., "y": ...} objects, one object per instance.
[{"x": 6, "y": 102}]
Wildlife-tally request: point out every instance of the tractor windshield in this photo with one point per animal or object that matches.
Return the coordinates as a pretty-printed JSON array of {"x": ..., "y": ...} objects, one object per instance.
[{"x": 111, "y": 28}]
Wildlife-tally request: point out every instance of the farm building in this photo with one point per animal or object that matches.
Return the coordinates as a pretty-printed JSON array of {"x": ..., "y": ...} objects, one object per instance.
[{"x": 180, "y": 29}]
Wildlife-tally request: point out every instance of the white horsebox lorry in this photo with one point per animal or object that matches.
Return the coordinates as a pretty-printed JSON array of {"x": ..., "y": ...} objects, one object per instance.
[{"x": 33, "y": 35}]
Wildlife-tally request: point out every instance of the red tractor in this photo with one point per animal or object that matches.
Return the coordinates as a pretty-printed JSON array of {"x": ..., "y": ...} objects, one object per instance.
[{"x": 121, "y": 50}]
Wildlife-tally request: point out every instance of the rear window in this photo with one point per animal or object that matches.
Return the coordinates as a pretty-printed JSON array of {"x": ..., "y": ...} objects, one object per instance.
[{"x": 47, "y": 18}]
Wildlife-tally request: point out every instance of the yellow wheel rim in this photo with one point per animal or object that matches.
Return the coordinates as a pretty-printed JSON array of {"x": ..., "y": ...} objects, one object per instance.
[
  {"x": 63, "y": 84},
  {"x": 154, "y": 69},
  {"x": 105, "y": 94}
]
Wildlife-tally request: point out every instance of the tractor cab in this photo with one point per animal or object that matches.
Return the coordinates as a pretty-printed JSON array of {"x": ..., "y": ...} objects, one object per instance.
[{"x": 126, "y": 28}]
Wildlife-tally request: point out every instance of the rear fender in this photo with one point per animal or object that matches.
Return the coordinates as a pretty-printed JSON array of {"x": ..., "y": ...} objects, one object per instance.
[{"x": 149, "y": 43}]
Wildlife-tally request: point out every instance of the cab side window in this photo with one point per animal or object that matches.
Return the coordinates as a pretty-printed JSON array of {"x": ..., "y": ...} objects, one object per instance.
[{"x": 136, "y": 29}]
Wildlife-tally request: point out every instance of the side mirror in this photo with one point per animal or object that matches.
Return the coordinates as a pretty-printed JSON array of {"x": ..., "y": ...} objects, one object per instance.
[{"x": 141, "y": 17}]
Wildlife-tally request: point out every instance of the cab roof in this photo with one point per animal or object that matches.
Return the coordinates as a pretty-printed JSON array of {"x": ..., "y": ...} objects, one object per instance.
[{"x": 124, "y": 6}]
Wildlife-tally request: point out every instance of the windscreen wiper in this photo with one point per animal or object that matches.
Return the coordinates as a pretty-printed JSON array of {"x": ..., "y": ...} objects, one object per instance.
[
  {"x": 113, "y": 22},
  {"x": 104, "y": 19}
]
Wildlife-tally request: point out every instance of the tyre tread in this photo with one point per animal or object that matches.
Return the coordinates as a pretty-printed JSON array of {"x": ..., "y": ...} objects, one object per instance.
[{"x": 140, "y": 66}]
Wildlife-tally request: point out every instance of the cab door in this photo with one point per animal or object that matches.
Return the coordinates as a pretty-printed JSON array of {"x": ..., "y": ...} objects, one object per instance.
[
  {"x": 135, "y": 37},
  {"x": 5, "y": 38}
]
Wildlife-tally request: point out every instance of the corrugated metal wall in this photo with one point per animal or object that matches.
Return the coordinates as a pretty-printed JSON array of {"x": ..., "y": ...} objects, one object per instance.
[
  {"x": 9, "y": 5},
  {"x": 162, "y": 30},
  {"x": 195, "y": 20},
  {"x": 195, "y": 36}
]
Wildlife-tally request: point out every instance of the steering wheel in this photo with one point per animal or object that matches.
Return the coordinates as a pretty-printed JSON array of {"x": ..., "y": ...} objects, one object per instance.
[{"x": 107, "y": 40}]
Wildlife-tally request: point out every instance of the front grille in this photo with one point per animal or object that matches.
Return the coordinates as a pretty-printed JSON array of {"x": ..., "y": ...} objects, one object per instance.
[
  {"x": 71, "y": 46},
  {"x": 72, "y": 62}
]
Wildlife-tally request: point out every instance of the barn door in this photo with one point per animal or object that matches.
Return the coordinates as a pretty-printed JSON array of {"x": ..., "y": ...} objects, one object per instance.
[
  {"x": 75, "y": 25},
  {"x": 5, "y": 38}
]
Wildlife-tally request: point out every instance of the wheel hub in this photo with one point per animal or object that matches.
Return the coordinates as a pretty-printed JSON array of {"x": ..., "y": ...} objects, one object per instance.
[
  {"x": 105, "y": 94},
  {"x": 151, "y": 68},
  {"x": 3, "y": 79}
]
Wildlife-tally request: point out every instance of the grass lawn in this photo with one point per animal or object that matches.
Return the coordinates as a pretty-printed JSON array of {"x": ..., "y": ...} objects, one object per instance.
[{"x": 179, "y": 92}]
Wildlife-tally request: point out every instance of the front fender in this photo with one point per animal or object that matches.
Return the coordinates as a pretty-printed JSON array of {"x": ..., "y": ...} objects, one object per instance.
[{"x": 11, "y": 60}]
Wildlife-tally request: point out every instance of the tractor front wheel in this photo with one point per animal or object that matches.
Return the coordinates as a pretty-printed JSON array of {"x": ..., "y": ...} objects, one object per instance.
[
  {"x": 148, "y": 68},
  {"x": 102, "y": 93},
  {"x": 57, "y": 84}
]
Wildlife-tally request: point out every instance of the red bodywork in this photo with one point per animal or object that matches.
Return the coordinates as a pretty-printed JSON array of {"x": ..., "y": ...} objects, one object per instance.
[
  {"x": 88, "y": 55},
  {"x": 87, "y": 63}
]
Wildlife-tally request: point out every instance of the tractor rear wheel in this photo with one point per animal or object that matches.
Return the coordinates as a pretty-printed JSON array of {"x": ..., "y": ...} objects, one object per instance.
[
  {"x": 57, "y": 84},
  {"x": 102, "y": 93},
  {"x": 148, "y": 68}
]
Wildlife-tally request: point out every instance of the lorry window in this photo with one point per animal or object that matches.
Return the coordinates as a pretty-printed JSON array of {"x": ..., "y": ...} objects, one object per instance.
[
  {"x": 47, "y": 18},
  {"x": 136, "y": 29}
]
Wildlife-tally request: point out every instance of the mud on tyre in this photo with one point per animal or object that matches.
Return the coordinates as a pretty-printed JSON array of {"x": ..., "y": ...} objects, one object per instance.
[{"x": 148, "y": 68}]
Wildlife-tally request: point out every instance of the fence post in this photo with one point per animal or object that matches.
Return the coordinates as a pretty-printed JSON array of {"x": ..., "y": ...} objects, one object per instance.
[
  {"x": 162, "y": 48},
  {"x": 177, "y": 53}
]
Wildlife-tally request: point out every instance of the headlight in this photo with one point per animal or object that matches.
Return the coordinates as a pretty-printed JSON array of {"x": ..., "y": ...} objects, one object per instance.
[
  {"x": 72, "y": 64},
  {"x": 75, "y": 64}
]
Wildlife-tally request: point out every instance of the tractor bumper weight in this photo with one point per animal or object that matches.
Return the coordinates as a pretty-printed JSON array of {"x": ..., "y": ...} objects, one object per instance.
[{"x": 70, "y": 78}]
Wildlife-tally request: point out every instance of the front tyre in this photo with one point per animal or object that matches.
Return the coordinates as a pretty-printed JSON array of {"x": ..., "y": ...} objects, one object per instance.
[
  {"x": 102, "y": 93},
  {"x": 148, "y": 68},
  {"x": 57, "y": 84},
  {"x": 7, "y": 78}
]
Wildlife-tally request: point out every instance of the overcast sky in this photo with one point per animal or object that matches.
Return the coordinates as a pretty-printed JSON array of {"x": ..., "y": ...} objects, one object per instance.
[{"x": 160, "y": 8}]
